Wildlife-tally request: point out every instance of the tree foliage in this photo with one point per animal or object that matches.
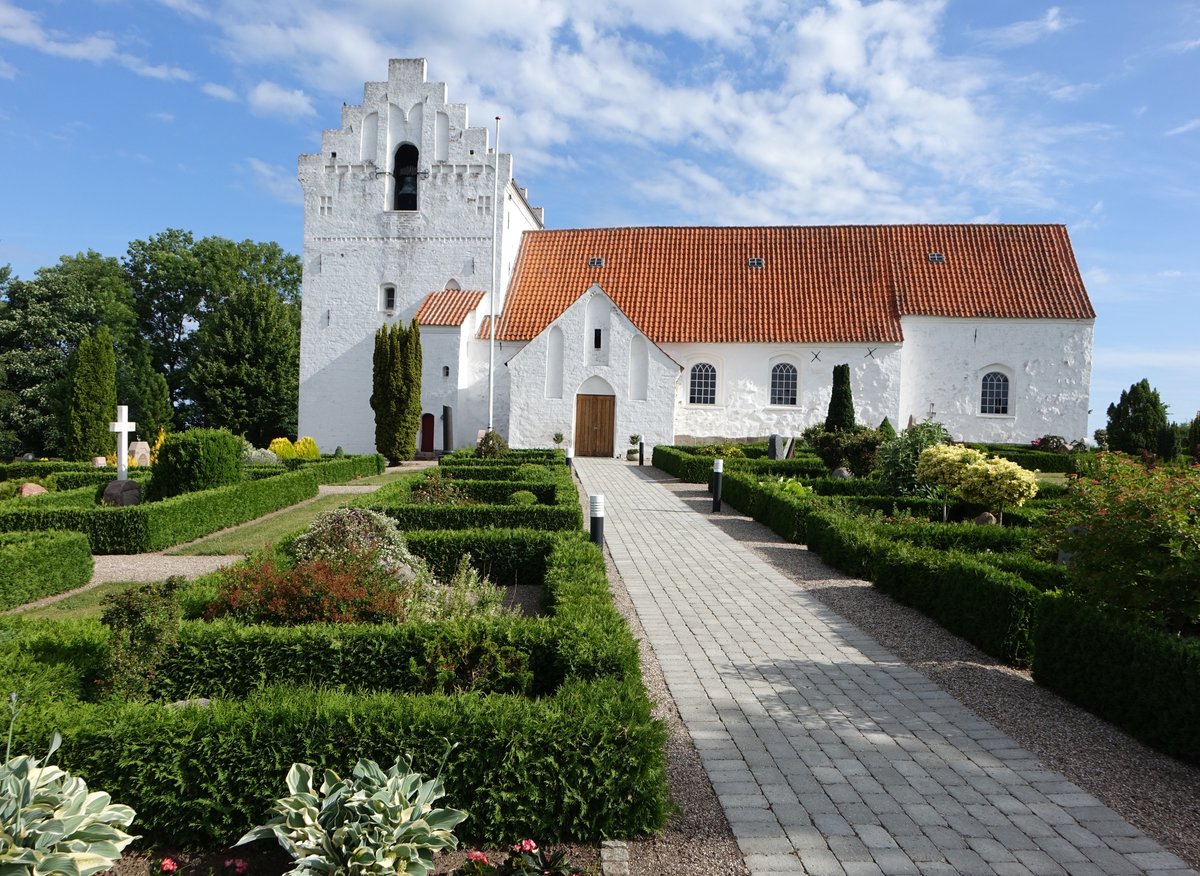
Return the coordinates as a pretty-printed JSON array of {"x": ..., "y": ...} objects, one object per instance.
[
  {"x": 840, "y": 416},
  {"x": 91, "y": 397},
  {"x": 244, "y": 375},
  {"x": 396, "y": 390},
  {"x": 898, "y": 459},
  {"x": 1136, "y": 420}
]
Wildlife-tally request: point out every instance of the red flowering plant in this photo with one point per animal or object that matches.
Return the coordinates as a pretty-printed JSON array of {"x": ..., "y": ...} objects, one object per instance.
[
  {"x": 1133, "y": 536},
  {"x": 525, "y": 858},
  {"x": 166, "y": 865}
]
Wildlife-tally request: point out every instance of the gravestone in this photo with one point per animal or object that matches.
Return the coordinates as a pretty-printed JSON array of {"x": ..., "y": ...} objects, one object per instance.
[
  {"x": 841, "y": 474},
  {"x": 31, "y": 489},
  {"x": 140, "y": 451},
  {"x": 775, "y": 447},
  {"x": 987, "y": 518},
  {"x": 122, "y": 494}
]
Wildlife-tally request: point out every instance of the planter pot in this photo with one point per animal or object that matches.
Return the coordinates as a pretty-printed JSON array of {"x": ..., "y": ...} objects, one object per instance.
[{"x": 631, "y": 455}]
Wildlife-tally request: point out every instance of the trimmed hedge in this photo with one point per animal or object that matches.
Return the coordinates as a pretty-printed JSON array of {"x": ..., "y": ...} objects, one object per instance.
[
  {"x": 40, "y": 468},
  {"x": 73, "y": 480},
  {"x": 695, "y": 469},
  {"x": 37, "y": 564},
  {"x": 1035, "y": 460},
  {"x": 542, "y": 456},
  {"x": 1141, "y": 679},
  {"x": 583, "y": 761},
  {"x": 156, "y": 525}
]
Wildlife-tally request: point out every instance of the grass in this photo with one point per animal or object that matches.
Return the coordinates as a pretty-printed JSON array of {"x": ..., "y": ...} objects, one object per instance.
[
  {"x": 386, "y": 478},
  {"x": 82, "y": 605},
  {"x": 1052, "y": 477},
  {"x": 264, "y": 531}
]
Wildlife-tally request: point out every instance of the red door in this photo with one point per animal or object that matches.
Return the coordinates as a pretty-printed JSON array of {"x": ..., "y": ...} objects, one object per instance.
[{"x": 427, "y": 433}]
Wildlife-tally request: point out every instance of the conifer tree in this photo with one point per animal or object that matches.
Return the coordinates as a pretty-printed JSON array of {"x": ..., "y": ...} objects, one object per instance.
[
  {"x": 1193, "y": 440},
  {"x": 396, "y": 390},
  {"x": 410, "y": 390},
  {"x": 383, "y": 394},
  {"x": 1137, "y": 419},
  {"x": 841, "y": 403},
  {"x": 92, "y": 397}
]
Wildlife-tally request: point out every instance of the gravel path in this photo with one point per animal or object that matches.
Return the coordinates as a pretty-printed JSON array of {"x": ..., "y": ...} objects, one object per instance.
[{"x": 1156, "y": 793}]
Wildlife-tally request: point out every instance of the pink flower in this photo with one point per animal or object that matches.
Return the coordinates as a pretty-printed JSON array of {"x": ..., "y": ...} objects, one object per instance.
[
  {"x": 238, "y": 865},
  {"x": 477, "y": 856},
  {"x": 168, "y": 865},
  {"x": 525, "y": 845}
]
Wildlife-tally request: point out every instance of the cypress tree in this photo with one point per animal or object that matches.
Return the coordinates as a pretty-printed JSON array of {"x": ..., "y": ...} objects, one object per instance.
[
  {"x": 841, "y": 403},
  {"x": 92, "y": 397},
  {"x": 383, "y": 393},
  {"x": 410, "y": 395}
]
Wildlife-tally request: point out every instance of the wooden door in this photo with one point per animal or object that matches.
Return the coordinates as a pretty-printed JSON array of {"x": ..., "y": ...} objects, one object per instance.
[
  {"x": 427, "y": 423},
  {"x": 594, "y": 417}
]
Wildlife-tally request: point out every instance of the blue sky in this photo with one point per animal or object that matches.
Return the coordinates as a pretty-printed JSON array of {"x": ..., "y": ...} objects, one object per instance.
[{"x": 120, "y": 118}]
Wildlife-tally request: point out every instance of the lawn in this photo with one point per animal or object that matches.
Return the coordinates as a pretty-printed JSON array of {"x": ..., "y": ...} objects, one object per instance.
[
  {"x": 82, "y": 605},
  {"x": 266, "y": 530}
]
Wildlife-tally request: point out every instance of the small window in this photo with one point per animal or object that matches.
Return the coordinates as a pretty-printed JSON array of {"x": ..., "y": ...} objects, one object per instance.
[
  {"x": 703, "y": 386},
  {"x": 994, "y": 397},
  {"x": 755, "y": 262},
  {"x": 404, "y": 173},
  {"x": 387, "y": 297},
  {"x": 597, "y": 338},
  {"x": 326, "y": 205},
  {"x": 783, "y": 384},
  {"x": 445, "y": 371},
  {"x": 936, "y": 258},
  {"x": 596, "y": 262}
]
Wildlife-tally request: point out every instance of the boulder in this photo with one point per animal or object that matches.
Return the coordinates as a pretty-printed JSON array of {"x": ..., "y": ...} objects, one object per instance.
[
  {"x": 122, "y": 493},
  {"x": 99, "y": 461},
  {"x": 841, "y": 474},
  {"x": 987, "y": 518},
  {"x": 31, "y": 489}
]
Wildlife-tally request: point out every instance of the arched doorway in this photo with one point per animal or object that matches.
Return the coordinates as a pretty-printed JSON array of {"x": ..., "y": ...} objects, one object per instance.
[
  {"x": 595, "y": 417},
  {"x": 427, "y": 423}
]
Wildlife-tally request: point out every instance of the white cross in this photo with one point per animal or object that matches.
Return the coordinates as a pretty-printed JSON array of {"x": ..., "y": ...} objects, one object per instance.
[{"x": 122, "y": 427}]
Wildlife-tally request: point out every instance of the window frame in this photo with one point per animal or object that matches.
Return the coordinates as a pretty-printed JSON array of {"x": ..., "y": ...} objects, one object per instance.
[
  {"x": 777, "y": 369},
  {"x": 995, "y": 394},
  {"x": 696, "y": 391}
]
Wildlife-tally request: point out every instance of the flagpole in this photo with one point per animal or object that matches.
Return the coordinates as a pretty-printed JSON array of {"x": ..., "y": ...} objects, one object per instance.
[{"x": 495, "y": 283}]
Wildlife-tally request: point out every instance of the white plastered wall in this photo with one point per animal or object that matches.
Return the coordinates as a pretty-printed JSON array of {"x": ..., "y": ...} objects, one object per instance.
[
  {"x": 1048, "y": 364},
  {"x": 534, "y": 417},
  {"x": 743, "y": 408}
]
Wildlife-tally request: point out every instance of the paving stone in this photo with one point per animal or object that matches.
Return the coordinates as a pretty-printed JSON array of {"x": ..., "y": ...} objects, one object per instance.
[
  {"x": 894, "y": 862},
  {"x": 820, "y": 863}
]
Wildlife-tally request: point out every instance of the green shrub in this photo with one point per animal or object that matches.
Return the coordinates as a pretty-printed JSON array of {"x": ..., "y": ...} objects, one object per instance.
[
  {"x": 145, "y": 623},
  {"x": 898, "y": 459},
  {"x": 282, "y": 448},
  {"x": 1139, "y": 678},
  {"x": 1134, "y": 539},
  {"x": 37, "y": 564},
  {"x": 198, "y": 459},
  {"x": 856, "y": 449},
  {"x": 840, "y": 416},
  {"x": 1135, "y": 420},
  {"x": 887, "y": 430},
  {"x": 523, "y": 498},
  {"x": 491, "y": 446}
]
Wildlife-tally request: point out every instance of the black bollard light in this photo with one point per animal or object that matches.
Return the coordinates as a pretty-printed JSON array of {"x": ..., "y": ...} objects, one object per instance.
[
  {"x": 596, "y": 514},
  {"x": 641, "y": 453},
  {"x": 718, "y": 471}
]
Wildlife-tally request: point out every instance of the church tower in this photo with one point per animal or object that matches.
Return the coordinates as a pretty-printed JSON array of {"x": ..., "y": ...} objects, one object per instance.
[{"x": 401, "y": 202}]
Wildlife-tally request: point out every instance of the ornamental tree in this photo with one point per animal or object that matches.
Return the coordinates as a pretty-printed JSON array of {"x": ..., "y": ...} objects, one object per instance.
[
  {"x": 840, "y": 416},
  {"x": 942, "y": 468},
  {"x": 91, "y": 397},
  {"x": 997, "y": 484},
  {"x": 1136, "y": 420},
  {"x": 898, "y": 459}
]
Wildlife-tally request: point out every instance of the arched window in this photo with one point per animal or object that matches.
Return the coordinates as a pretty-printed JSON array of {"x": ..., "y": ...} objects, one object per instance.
[
  {"x": 994, "y": 396},
  {"x": 783, "y": 384},
  {"x": 703, "y": 389},
  {"x": 404, "y": 171}
]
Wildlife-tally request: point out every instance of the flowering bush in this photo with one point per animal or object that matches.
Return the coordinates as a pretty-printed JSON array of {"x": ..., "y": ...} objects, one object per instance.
[
  {"x": 258, "y": 456},
  {"x": 1134, "y": 537},
  {"x": 996, "y": 484},
  {"x": 437, "y": 489},
  {"x": 525, "y": 859},
  {"x": 898, "y": 459},
  {"x": 332, "y": 534},
  {"x": 943, "y": 466}
]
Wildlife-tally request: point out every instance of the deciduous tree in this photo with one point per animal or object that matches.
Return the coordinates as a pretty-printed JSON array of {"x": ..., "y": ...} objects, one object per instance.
[{"x": 1136, "y": 420}]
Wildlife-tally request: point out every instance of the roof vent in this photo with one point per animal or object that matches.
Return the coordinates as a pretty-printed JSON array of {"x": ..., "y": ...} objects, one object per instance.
[
  {"x": 755, "y": 262},
  {"x": 596, "y": 262},
  {"x": 936, "y": 258}
]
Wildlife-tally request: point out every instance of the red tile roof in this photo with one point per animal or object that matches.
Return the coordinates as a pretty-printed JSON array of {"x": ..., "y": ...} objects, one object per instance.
[
  {"x": 448, "y": 307},
  {"x": 817, "y": 284}
]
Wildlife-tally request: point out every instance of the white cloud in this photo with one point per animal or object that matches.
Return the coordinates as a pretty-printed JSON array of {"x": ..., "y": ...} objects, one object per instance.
[
  {"x": 1185, "y": 128},
  {"x": 20, "y": 26},
  {"x": 164, "y": 116},
  {"x": 1170, "y": 274},
  {"x": 1023, "y": 33},
  {"x": 270, "y": 99},
  {"x": 220, "y": 92},
  {"x": 278, "y": 182},
  {"x": 7, "y": 70},
  {"x": 1096, "y": 277}
]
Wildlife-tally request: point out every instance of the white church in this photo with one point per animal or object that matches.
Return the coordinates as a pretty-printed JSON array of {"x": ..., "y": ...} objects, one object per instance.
[{"x": 674, "y": 334}]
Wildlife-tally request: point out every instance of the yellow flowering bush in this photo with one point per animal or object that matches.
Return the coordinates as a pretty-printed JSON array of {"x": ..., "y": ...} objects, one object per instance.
[
  {"x": 997, "y": 483},
  {"x": 158, "y": 443},
  {"x": 942, "y": 466}
]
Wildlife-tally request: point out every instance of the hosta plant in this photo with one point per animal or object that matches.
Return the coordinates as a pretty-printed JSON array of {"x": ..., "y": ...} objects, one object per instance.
[
  {"x": 50, "y": 823},
  {"x": 372, "y": 822}
]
